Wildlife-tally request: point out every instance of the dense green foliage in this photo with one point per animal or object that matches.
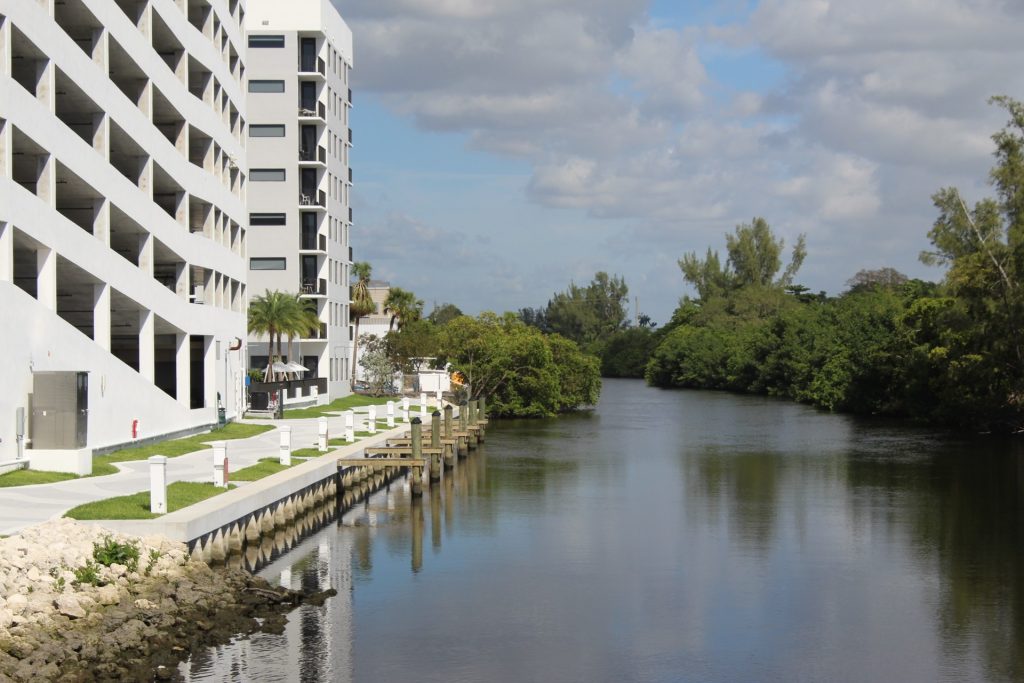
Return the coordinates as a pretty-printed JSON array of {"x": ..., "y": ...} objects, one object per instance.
[
  {"x": 522, "y": 371},
  {"x": 949, "y": 353},
  {"x": 280, "y": 314}
]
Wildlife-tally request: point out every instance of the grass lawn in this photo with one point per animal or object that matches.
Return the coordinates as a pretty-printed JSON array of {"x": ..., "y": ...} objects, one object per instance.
[
  {"x": 103, "y": 464},
  {"x": 180, "y": 494},
  {"x": 267, "y": 466},
  {"x": 352, "y": 401},
  {"x": 25, "y": 477}
]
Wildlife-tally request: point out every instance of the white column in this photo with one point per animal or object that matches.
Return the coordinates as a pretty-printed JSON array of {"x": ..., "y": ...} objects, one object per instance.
[
  {"x": 183, "y": 369},
  {"x": 46, "y": 280},
  {"x": 440, "y": 399},
  {"x": 350, "y": 433},
  {"x": 285, "y": 455},
  {"x": 6, "y": 252},
  {"x": 158, "y": 484},
  {"x": 101, "y": 315},
  {"x": 147, "y": 344},
  {"x": 371, "y": 420},
  {"x": 405, "y": 408},
  {"x": 322, "y": 434},
  {"x": 220, "y": 463},
  {"x": 391, "y": 413},
  {"x": 423, "y": 404},
  {"x": 146, "y": 246},
  {"x": 101, "y": 220}
]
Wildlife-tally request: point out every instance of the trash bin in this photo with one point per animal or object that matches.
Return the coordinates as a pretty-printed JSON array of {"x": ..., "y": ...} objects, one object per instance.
[{"x": 221, "y": 417}]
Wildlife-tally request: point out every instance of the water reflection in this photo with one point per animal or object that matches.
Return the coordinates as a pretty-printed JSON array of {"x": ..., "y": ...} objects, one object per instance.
[{"x": 671, "y": 536}]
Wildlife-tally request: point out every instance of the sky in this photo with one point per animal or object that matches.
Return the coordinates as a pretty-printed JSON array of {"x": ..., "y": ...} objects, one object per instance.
[{"x": 506, "y": 148}]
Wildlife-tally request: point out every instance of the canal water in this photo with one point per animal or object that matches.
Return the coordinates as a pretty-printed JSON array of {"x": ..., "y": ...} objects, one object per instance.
[{"x": 670, "y": 536}]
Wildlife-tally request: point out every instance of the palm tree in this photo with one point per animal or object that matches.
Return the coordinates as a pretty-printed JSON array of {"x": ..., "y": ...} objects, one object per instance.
[
  {"x": 269, "y": 314},
  {"x": 302, "y": 320},
  {"x": 361, "y": 304},
  {"x": 403, "y": 307}
]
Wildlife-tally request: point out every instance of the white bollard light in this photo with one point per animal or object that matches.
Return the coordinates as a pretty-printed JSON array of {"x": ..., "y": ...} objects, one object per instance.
[
  {"x": 158, "y": 484},
  {"x": 350, "y": 432},
  {"x": 371, "y": 420},
  {"x": 440, "y": 399},
  {"x": 423, "y": 404},
  {"x": 405, "y": 408},
  {"x": 391, "y": 413},
  {"x": 220, "y": 459},
  {"x": 322, "y": 434},
  {"x": 285, "y": 456}
]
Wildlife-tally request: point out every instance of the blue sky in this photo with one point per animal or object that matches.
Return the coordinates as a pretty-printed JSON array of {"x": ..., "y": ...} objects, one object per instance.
[{"x": 504, "y": 148}]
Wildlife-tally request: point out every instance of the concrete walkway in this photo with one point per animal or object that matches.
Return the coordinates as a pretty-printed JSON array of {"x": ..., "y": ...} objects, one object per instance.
[{"x": 22, "y": 506}]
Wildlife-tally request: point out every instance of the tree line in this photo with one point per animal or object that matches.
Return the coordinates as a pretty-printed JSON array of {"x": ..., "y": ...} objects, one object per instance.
[{"x": 947, "y": 352}]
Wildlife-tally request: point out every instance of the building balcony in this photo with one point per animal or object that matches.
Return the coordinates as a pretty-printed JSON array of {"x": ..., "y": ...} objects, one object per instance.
[
  {"x": 313, "y": 110},
  {"x": 314, "y": 199},
  {"x": 313, "y": 288},
  {"x": 312, "y": 241},
  {"x": 307, "y": 156}
]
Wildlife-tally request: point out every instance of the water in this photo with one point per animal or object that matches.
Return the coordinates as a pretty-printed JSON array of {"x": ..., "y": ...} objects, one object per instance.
[{"x": 671, "y": 536}]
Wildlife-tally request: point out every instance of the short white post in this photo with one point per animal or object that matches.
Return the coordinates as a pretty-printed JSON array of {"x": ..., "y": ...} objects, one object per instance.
[
  {"x": 350, "y": 432},
  {"x": 322, "y": 434},
  {"x": 158, "y": 484},
  {"x": 286, "y": 576},
  {"x": 371, "y": 420},
  {"x": 440, "y": 399},
  {"x": 220, "y": 459},
  {"x": 423, "y": 404},
  {"x": 391, "y": 414},
  {"x": 405, "y": 408},
  {"x": 285, "y": 456}
]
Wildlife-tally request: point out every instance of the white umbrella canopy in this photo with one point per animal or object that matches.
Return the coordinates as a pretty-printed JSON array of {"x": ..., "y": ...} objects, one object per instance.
[{"x": 285, "y": 368}]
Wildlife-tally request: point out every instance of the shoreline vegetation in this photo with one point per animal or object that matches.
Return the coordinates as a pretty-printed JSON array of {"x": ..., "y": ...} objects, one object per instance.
[{"x": 949, "y": 353}]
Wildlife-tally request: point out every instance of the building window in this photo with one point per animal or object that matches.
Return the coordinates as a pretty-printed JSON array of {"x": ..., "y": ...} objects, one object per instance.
[
  {"x": 266, "y": 86},
  {"x": 267, "y": 219},
  {"x": 266, "y": 41},
  {"x": 275, "y": 263},
  {"x": 266, "y": 174},
  {"x": 266, "y": 131}
]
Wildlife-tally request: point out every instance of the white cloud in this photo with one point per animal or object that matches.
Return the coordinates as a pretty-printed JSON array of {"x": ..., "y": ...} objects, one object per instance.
[{"x": 622, "y": 121}]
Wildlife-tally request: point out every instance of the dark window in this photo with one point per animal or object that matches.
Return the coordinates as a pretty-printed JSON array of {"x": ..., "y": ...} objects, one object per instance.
[
  {"x": 266, "y": 131},
  {"x": 307, "y": 54},
  {"x": 266, "y": 86},
  {"x": 266, "y": 41},
  {"x": 266, "y": 174},
  {"x": 267, "y": 219},
  {"x": 274, "y": 263}
]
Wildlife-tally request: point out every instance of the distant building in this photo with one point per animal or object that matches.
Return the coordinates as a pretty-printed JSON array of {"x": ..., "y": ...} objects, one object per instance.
[
  {"x": 300, "y": 215},
  {"x": 122, "y": 223},
  {"x": 377, "y": 323}
]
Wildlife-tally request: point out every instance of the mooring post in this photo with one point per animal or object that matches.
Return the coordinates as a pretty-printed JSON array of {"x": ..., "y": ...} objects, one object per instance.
[
  {"x": 423, "y": 404},
  {"x": 416, "y": 473},
  {"x": 405, "y": 408},
  {"x": 481, "y": 405},
  {"x": 371, "y": 420},
  {"x": 322, "y": 437},
  {"x": 285, "y": 456},
  {"x": 391, "y": 414},
  {"x": 350, "y": 421},
  {"x": 158, "y": 484},
  {"x": 448, "y": 431},
  {"x": 220, "y": 459},
  {"x": 435, "y": 442},
  {"x": 463, "y": 416}
]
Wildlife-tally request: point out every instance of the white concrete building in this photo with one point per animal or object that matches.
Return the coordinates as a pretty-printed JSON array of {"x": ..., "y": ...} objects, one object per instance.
[
  {"x": 122, "y": 222},
  {"x": 299, "y": 95}
]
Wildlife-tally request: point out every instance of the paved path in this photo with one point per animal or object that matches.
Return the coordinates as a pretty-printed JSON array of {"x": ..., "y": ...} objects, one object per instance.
[{"x": 21, "y": 506}]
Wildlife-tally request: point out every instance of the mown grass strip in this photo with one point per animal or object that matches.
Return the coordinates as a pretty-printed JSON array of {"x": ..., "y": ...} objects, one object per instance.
[
  {"x": 338, "y": 405},
  {"x": 172, "y": 448},
  {"x": 180, "y": 494},
  {"x": 29, "y": 477},
  {"x": 264, "y": 468}
]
